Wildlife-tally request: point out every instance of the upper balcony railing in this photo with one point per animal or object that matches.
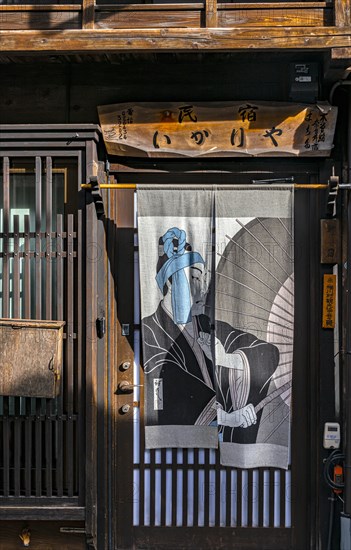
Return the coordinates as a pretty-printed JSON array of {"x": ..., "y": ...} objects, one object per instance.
[{"x": 115, "y": 14}]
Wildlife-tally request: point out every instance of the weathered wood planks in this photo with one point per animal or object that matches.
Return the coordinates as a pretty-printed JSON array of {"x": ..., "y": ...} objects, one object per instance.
[
  {"x": 318, "y": 38},
  {"x": 192, "y": 15}
]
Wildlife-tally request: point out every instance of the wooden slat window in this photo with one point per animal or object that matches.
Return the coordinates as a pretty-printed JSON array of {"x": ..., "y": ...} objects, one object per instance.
[{"x": 41, "y": 445}]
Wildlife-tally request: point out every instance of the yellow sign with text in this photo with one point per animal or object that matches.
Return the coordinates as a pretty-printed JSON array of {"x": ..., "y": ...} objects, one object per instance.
[{"x": 329, "y": 301}]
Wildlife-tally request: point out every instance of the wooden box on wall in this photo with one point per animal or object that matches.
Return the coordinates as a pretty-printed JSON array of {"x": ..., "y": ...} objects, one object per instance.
[{"x": 30, "y": 357}]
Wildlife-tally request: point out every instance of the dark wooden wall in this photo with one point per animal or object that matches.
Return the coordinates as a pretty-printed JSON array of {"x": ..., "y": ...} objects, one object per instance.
[{"x": 62, "y": 92}]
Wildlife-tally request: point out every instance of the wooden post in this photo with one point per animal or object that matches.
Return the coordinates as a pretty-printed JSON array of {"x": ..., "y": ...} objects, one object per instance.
[
  {"x": 342, "y": 13},
  {"x": 91, "y": 360},
  {"x": 125, "y": 491},
  {"x": 211, "y": 13},
  {"x": 88, "y": 14}
]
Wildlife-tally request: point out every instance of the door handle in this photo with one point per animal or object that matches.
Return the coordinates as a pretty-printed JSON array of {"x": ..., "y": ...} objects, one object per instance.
[{"x": 126, "y": 387}]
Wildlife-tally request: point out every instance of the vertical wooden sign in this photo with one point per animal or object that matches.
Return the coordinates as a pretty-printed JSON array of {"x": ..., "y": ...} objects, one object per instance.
[
  {"x": 329, "y": 301},
  {"x": 330, "y": 241}
]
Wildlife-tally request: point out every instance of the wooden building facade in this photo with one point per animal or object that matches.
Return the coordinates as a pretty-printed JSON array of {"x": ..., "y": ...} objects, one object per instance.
[{"x": 68, "y": 467}]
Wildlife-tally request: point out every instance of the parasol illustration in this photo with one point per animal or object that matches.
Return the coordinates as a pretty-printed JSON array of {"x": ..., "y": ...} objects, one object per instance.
[{"x": 255, "y": 294}]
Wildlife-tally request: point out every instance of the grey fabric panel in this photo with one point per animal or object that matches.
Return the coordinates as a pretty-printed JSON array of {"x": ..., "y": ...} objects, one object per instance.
[
  {"x": 262, "y": 456},
  {"x": 254, "y": 316},
  {"x": 160, "y": 210},
  {"x": 345, "y": 526},
  {"x": 276, "y": 200},
  {"x": 252, "y": 203},
  {"x": 175, "y": 238},
  {"x": 197, "y": 437},
  {"x": 177, "y": 201}
]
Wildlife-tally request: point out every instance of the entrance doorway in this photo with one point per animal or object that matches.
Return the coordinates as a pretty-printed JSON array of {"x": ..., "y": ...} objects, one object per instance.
[{"x": 184, "y": 498}]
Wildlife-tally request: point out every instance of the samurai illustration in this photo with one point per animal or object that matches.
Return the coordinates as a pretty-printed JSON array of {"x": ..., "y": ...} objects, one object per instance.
[{"x": 201, "y": 377}]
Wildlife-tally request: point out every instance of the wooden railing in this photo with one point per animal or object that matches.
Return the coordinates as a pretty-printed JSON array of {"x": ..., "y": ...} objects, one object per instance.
[
  {"x": 91, "y": 14},
  {"x": 173, "y": 26}
]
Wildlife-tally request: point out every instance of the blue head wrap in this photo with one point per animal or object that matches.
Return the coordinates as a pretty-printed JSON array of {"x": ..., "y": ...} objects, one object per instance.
[{"x": 178, "y": 259}]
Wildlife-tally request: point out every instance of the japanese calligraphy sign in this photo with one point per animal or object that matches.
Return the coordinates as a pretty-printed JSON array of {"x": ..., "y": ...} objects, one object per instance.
[
  {"x": 329, "y": 301},
  {"x": 330, "y": 241},
  {"x": 237, "y": 128}
]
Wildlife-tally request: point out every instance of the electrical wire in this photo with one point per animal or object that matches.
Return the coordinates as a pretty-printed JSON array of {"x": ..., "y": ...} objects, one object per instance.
[{"x": 333, "y": 459}]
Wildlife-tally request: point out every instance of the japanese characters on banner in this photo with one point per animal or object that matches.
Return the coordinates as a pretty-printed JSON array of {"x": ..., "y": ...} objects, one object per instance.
[
  {"x": 329, "y": 300},
  {"x": 237, "y": 128}
]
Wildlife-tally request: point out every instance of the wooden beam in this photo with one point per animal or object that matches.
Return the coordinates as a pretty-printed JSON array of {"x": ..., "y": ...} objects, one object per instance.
[
  {"x": 341, "y": 53},
  {"x": 273, "y": 5},
  {"x": 149, "y": 7},
  {"x": 276, "y": 16},
  {"x": 34, "y": 513},
  {"x": 199, "y": 6},
  {"x": 211, "y": 13},
  {"x": 342, "y": 9},
  {"x": 193, "y": 537},
  {"x": 167, "y": 7},
  {"x": 337, "y": 65},
  {"x": 231, "y": 39},
  {"x": 149, "y": 19},
  {"x": 41, "y": 7}
]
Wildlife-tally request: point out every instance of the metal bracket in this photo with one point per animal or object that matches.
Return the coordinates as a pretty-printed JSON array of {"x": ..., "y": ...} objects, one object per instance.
[
  {"x": 125, "y": 329},
  {"x": 96, "y": 196},
  {"x": 73, "y": 530},
  {"x": 275, "y": 181},
  {"x": 332, "y": 195},
  {"x": 100, "y": 327},
  {"x": 90, "y": 541}
]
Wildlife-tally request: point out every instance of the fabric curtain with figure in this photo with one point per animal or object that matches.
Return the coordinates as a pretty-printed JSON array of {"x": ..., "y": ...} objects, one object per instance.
[
  {"x": 175, "y": 252},
  {"x": 254, "y": 319}
]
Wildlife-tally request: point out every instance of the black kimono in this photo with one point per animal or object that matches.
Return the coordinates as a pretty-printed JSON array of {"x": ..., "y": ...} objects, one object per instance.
[{"x": 190, "y": 386}]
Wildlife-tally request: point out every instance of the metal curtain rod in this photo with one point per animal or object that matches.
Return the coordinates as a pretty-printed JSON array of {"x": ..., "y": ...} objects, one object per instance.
[{"x": 134, "y": 186}]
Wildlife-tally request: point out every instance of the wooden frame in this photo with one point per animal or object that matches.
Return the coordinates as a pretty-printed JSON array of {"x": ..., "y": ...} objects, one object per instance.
[
  {"x": 46, "y": 142},
  {"x": 63, "y": 171},
  {"x": 49, "y": 419},
  {"x": 304, "y": 528}
]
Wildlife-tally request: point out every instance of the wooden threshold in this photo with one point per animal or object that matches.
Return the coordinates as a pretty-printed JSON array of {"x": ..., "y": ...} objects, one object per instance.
[
  {"x": 67, "y": 513},
  {"x": 224, "y": 537}
]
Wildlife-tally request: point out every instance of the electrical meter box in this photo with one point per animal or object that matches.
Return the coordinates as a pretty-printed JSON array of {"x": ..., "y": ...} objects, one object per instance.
[
  {"x": 331, "y": 436},
  {"x": 304, "y": 82}
]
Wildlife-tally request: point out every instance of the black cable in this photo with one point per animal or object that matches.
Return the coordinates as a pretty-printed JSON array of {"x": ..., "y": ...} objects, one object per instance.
[
  {"x": 331, "y": 520},
  {"x": 334, "y": 458}
]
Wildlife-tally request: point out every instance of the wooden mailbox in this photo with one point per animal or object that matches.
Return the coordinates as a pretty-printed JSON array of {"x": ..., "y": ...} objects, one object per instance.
[{"x": 30, "y": 357}]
